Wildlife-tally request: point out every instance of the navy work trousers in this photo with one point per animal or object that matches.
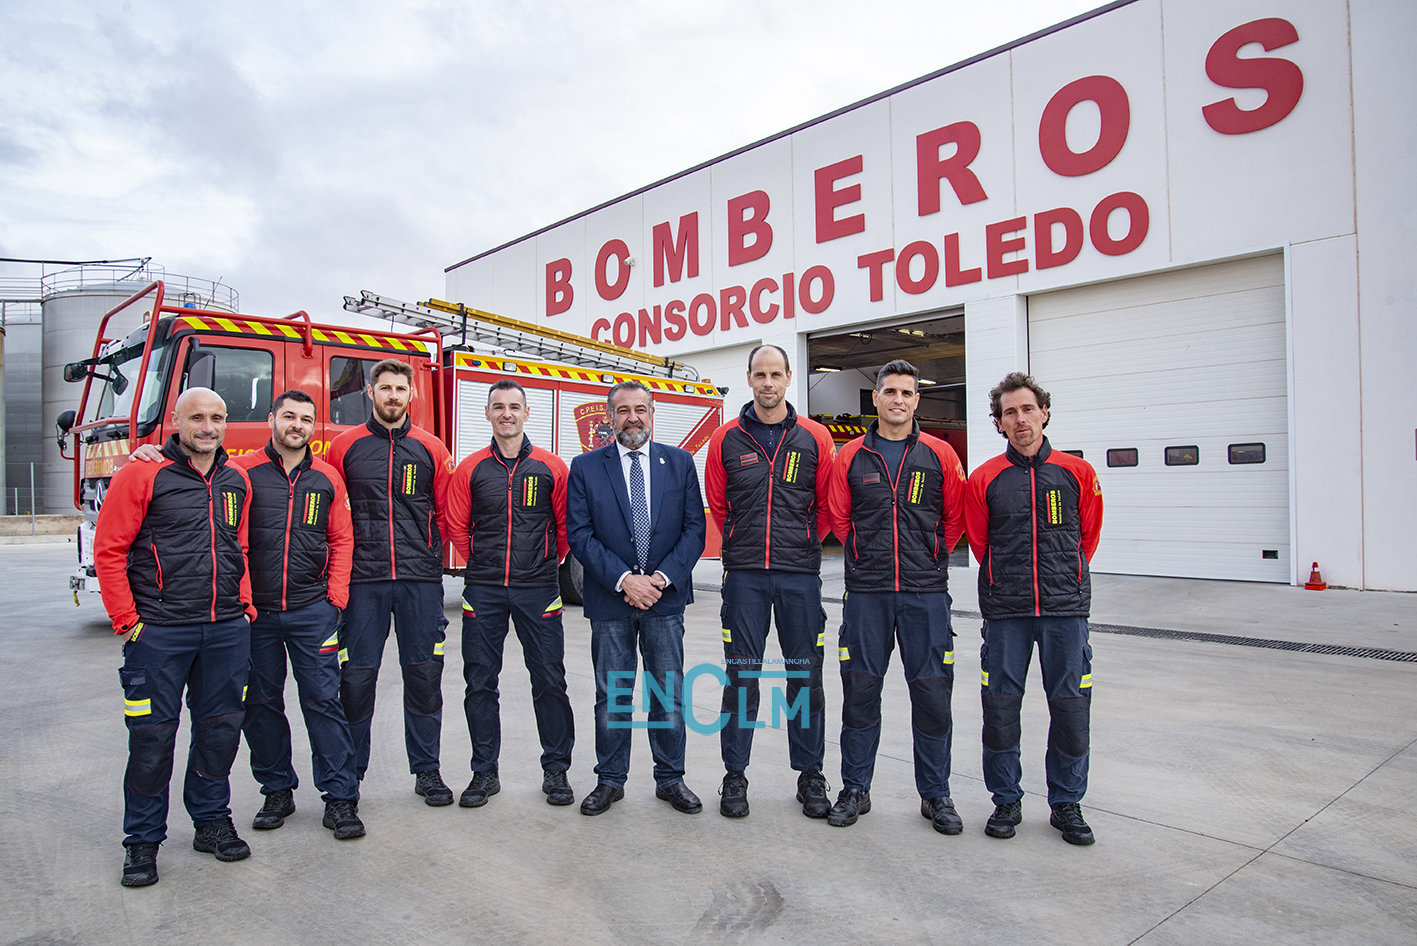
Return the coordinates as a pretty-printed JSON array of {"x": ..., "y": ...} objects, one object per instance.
[
  {"x": 419, "y": 625},
  {"x": 871, "y": 624},
  {"x": 536, "y": 614},
  {"x": 750, "y": 598},
  {"x": 211, "y": 662},
  {"x": 310, "y": 636},
  {"x": 1065, "y": 657}
]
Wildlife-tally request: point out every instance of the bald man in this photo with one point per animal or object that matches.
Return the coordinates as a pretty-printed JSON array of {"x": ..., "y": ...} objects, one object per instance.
[{"x": 170, "y": 553}]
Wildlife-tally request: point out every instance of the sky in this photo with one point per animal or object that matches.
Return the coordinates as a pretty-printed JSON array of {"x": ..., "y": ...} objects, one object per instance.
[{"x": 302, "y": 151}]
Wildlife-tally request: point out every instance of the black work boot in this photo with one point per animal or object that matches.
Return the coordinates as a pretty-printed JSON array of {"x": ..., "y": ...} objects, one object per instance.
[
  {"x": 1002, "y": 821},
  {"x": 342, "y": 817},
  {"x": 482, "y": 787},
  {"x": 1067, "y": 818},
  {"x": 280, "y": 804},
  {"x": 850, "y": 804},
  {"x": 139, "y": 865},
  {"x": 812, "y": 791},
  {"x": 734, "y": 803},
  {"x": 942, "y": 814},
  {"x": 430, "y": 785},
  {"x": 220, "y": 838},
  {"x": 556, "y": 787}
]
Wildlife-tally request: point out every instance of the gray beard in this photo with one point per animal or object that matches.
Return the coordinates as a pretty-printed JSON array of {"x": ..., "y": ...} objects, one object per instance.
[{"x": 633, "y": 437}]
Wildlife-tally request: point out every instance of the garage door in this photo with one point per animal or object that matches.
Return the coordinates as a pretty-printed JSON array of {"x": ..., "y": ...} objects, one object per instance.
[{"x": 1173, "y": 386}]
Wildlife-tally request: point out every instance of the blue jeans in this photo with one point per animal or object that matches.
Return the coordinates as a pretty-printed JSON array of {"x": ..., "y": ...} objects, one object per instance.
[
  {"x": 211, "y": 662},
  {"x": 612, "y": 648},
  {"x": 311, "y": 637},
  {"x": 871, "y": 624},
  {"x": 1065, "y": 657}
]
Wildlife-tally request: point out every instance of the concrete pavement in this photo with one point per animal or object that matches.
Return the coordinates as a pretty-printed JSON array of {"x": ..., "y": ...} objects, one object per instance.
[{"x": 1239, "y": 795}]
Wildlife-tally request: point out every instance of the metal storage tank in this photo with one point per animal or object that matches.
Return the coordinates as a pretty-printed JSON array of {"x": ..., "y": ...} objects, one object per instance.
[{"x": 74, "y": 302}]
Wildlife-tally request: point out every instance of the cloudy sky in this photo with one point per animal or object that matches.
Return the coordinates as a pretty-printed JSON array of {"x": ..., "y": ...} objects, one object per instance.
[{"x": 303, "y": 151}]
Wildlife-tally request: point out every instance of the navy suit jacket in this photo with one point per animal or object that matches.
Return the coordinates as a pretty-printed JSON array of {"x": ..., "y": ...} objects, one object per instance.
[{"x": 598, "y": 524}]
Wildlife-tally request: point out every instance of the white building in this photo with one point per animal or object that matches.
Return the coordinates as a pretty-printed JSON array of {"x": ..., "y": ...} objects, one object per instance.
[{"x": 1192, "y": 220}]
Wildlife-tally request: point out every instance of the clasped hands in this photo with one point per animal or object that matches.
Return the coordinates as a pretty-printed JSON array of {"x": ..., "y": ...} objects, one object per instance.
[{"x": 642, "y": 591}]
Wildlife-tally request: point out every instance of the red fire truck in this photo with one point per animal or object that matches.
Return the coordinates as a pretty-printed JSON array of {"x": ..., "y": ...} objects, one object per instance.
[{"x": 149, "y": 350}]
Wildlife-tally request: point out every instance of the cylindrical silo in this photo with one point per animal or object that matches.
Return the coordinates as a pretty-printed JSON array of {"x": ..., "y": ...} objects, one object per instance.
[{"x": 74, "y": 302}]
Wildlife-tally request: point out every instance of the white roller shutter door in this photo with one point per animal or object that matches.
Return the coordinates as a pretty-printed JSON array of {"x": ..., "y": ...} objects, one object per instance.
[
  {"x": 1194, "y": 357},
  {"x": 473, "y": 432}
]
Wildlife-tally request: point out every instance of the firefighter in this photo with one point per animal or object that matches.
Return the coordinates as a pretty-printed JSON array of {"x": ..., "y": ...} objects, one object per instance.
[
  {"x": 170, "y": 554},
  {"x": 300, "y": 546},
  {"x": 397, "y": 476},
  {"x": 507, "y": 518},
  {"x": 1034, "y": 516},
  {"x": 897, "y": 503},
  {"x": 766, "y": 476}
]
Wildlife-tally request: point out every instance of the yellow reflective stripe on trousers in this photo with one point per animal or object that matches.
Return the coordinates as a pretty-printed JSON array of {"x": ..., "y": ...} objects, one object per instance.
[
  {"x": 343, "y": 656},
  {"x": 822, "y": 639},
  {"x": 1086, "y": 681},
  {"x": 438, "y": 649},
  {"x": 333, "y": 639},
  {"x": 843, "y": 654},
  {"x": 949, "y": 658},
  {"x": 243, "y": 693},
  {"x": 137, "y": 707},
  {"x": 984, "y": 678},
  {"x": 727, "y": 636}
]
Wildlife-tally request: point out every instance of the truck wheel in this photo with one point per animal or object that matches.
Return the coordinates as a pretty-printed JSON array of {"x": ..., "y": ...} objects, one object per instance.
[{"x": 572, "y": 580}]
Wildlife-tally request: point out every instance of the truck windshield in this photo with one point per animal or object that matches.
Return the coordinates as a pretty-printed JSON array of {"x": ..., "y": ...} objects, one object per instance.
[{"x": 122, "y": 367}]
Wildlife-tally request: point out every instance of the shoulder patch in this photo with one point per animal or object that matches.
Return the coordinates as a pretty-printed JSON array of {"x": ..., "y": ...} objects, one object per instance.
[
  {"x": 448, "y": 464},
  {"x": 959, "y": 471},
  {"x": 1096, "y": 486}
]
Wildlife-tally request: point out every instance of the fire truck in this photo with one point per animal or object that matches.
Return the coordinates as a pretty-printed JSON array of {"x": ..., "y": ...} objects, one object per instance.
[{"x": 148, "y": 350}]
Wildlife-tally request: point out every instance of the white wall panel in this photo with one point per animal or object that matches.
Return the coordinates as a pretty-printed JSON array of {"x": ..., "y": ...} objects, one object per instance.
[
  {"x": 473, "y": 432},
  {"x": 1188, "y": 357}
]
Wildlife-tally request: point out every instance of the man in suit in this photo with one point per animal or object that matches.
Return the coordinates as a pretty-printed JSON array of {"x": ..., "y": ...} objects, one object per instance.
[{"x": 635, "y": 519}]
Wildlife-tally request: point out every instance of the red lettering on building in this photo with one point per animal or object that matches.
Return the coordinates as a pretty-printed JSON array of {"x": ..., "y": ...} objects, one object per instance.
[
  {"x": 829, "y": 197},
  {"x": 804, "y": 291},
  {"x": 1044, "y": 254},
  {"x": 730, "y": 307},
  {"x": 742, "y": 224},
  {"x": 1282, "y": 79},
  {"x": 601, "y": 325},
  {"x": 996, "y": 247},
  {"x": 930, "y": 255},
  {"x": 1116, "y": 111},
  {"x": 875, "y": 264},
  {"x": 625, "y": 339},
  {"x": 621, "y": 252},
  {"x": 676, "y": 253},
  {"x": 649, "y": 326},
  {"x": 674, "y": 316},
  {"x": 954, "y": 276},
  {"x": 705, "y": 302},
  {"x": 789, "y": 299},
  {"x": 930, "y": 168},
  {"x": 559, "y": 294},
  {"x": 755, "y": 299},
  {"x": 1140, "y": 221}
]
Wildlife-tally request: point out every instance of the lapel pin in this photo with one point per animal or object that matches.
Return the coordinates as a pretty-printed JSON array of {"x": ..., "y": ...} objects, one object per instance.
[{"x": 661, "y": 459}]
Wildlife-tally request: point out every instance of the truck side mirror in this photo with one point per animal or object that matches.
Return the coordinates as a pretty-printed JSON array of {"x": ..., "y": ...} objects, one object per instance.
[
  {"x": 63, "y": 424},
  {"x": 201, "y": 369},
  {"x": 76, "y": 371}
]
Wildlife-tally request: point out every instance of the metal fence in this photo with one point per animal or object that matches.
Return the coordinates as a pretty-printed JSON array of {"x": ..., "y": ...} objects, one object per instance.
[{"x": 24, "y": 491}]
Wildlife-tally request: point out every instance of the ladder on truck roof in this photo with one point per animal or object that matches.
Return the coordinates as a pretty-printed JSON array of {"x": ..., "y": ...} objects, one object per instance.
[{"x": 455, "y": 320}]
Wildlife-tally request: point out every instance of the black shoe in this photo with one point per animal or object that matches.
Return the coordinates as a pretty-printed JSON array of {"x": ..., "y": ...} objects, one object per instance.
[
  {"x": 1001, "y": 822},
  {"x": 734, "y": 792},
  {"x": 1067, "y": 818},
  {"x": 683, "y": 800},
  {"x": 942, "y": 814},
  {"x": 280, "y": 805},
  {"x": 557, "y": 787},
  {"x": 220, "y": 838},
  {"x": 850, "y": 805},
  {"x": 341, "y": 817},
  {"x": 812, "y": 791},
  {"x": 482, "y": 787},
  {"x": 139, "y": 865},
  {"x": 600, "y": 799},
  {"x": 430, "y": 785}
]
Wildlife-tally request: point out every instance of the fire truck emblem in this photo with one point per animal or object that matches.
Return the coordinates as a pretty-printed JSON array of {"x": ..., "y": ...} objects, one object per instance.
[{"x": 593, "y": 425}]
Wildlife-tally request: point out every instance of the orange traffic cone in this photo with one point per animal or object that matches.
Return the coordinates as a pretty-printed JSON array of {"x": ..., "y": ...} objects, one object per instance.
[{"x": 1316, "y": 581}]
